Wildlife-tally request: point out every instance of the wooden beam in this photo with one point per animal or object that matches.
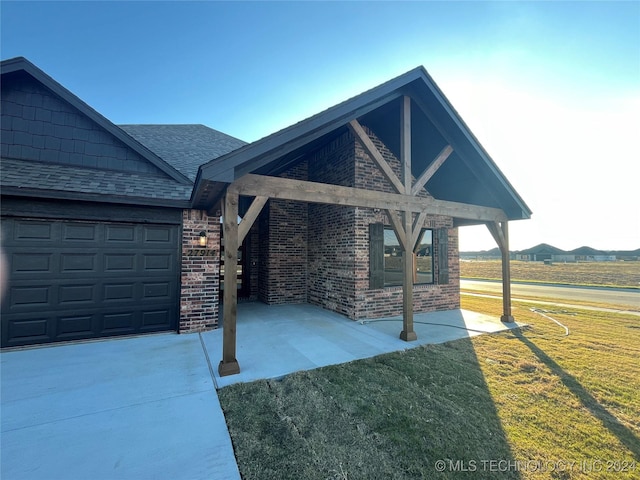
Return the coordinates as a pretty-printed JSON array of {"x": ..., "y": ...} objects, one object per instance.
[
  {"x": 500, "y": 232},
  {"x": 405, "y": 144},
  {"x": 313, "y": 192},
  {"x": 375, "y": 155},
  {"x": 229, "y": 365},
  {"x": 398, "y": 227},
  {"x": 417, "y": 228},
  {"x": 431, "y": 169},
  {"x": 250, "y": 217}
]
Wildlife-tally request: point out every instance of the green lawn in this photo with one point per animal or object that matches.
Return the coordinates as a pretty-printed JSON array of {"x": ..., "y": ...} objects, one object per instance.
[{"x": 536, "y": 397}]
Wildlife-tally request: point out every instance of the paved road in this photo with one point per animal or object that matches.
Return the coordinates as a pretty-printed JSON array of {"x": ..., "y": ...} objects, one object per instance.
[{"x": 612, "y": 296}]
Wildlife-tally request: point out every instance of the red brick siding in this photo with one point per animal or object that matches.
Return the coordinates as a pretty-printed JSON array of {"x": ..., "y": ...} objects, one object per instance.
[
  {"x": 331, "y": 232},
  {"x": 199, "y": 290},
  {"x": 283, "y": 247}
]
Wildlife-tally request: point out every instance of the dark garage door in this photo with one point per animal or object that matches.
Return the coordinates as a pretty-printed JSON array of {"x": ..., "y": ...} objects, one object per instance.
[{"x": 71, "y": 280}]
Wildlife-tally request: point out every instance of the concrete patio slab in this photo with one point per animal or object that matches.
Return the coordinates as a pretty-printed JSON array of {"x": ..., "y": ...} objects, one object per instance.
[
  {"x": 276, "y": 340},
  {"x": 131, "y": 408}
]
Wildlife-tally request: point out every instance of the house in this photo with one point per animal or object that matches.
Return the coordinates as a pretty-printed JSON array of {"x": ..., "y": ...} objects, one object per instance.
[{"x": 114, "y": 230}]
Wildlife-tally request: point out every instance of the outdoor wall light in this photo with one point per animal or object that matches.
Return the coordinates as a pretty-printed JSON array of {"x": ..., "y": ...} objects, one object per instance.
[{"x": 203, "y": 238}]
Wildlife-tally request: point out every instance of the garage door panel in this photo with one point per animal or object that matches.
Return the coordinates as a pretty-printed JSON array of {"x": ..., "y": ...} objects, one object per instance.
[
  {"x": 75, "y": 326},
  {"x": 123, "y": 322},
  {"x": 157, "y": 291},
  {"x": 86, "y": 232},
  {"x": 72, "y": 280},
  {"x": 158, "y": 262},
  {"x": 71, "y": 295},
  {"x": 119, "y": 292},
  {"x": 30, "y": 296},
  {"x": 34, "y": 231},
  {"x": 24, "y": 331},
  {"x": 119, "y": 262},
  {"x": 158, "y": 235},
  {"x": 120, "y": 234},
  {"x": 78, "y": 263},
  {"x": 28, "y": 262},
  {"x": 156, "y": 320}
]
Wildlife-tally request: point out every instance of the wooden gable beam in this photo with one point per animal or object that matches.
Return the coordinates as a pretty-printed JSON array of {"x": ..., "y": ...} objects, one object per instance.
[
  {"x": 250, "y": 217},
  {"x": 398, "y": 227},
  {"x": 417, "y": 227},
  {"x": 431, "y": 169},
  {"x": 405, "y": 143},
  {"x": 376, "y": 156},
  {"x": 314, "y": 192}
]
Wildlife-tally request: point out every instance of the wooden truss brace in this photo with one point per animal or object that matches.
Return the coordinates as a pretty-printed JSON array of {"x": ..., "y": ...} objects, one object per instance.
[{"x": 375, "y": 155}]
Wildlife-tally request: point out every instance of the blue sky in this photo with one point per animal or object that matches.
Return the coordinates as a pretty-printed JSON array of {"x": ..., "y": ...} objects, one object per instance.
[{"x": 551, "y": 89}]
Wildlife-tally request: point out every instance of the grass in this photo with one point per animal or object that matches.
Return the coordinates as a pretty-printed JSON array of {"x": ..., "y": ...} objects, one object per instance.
[
  {"x": 617, "y": 274},
  {"x": 527, "y": 396}
]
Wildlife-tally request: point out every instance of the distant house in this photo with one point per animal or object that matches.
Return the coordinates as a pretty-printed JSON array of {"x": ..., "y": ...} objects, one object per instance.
[
  {"x": 588, "y": 254},
  {"x": 114, "y": 230},
  {"x": 539, "y": 253}
]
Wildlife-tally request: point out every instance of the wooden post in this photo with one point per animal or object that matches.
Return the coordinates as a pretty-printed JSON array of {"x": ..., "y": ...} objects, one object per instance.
[
  {"x": 229, "y": 365},
  {"x": 506, "y": 275},
  {"x": 407, "y": 334},
  {"x": 500, "y": 232}
]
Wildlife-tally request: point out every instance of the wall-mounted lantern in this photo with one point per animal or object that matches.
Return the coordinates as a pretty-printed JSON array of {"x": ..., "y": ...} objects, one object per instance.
[{"x": 203, "y": 239}]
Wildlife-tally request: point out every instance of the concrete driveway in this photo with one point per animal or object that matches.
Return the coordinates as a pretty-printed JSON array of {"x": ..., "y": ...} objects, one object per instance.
[
  {"x": 146, "y": 407},
  {"x": 130, "y": 408}
]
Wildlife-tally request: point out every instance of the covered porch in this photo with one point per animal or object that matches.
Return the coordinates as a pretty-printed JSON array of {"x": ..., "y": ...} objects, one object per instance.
[
  {"x": 398, "y": 158},
  {"x": 276, "y": 340}
]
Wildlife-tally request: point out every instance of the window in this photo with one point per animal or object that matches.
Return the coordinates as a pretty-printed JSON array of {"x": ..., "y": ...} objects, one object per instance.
[{"x": 385, "y": 257}]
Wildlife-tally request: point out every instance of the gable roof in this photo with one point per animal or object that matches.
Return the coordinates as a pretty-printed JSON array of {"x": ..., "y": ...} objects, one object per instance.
[
  {"x": 21, "y": 64},
  {"x": 185, "y": 147},
  {"x": 470, "y": 176}
]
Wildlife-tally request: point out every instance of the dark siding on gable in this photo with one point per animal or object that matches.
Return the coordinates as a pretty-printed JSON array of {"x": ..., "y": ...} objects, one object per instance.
[{"x": 37, "y": 125}]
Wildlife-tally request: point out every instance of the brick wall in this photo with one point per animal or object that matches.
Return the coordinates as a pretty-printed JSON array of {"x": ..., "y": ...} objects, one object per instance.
[
  {"x": 331, "y": 232},
  {"x": 283, "y": 247},
  {"x": 199, "y": 291}
]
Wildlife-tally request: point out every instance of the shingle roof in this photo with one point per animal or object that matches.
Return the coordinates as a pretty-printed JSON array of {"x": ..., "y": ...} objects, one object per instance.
[
  {"x": 184, "y": 147},
  {"x": 40, "y": 177}
]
